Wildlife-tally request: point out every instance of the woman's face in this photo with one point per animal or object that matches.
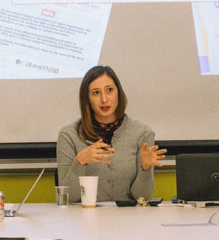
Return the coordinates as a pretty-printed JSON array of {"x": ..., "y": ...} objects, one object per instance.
[{"x": 103, "y": 97}]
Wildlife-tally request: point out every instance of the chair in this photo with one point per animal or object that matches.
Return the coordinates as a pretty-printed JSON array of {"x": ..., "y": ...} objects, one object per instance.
[{"x": 56, "y": 178}]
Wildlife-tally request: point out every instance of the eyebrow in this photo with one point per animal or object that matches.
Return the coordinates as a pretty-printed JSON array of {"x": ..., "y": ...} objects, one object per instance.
[{"x": 94, "y": 89}]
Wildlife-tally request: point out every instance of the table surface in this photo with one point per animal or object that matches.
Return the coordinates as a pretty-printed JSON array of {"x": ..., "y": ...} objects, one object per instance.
[{"x": 109, "y": 222}]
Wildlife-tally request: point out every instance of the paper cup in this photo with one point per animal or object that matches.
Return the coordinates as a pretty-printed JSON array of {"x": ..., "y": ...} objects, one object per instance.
[{"x": 88, "y": 186}]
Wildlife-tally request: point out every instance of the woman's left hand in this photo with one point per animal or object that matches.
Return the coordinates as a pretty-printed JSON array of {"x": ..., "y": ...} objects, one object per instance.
[{"x": 149, "y": 156}]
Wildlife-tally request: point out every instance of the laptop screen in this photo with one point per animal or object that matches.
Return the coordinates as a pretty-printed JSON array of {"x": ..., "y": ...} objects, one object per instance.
[
  {"x": 11, "y": 213},
  {"x": 197, "y": 177}
]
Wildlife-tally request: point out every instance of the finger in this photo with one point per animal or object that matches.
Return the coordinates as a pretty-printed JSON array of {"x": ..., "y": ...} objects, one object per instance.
[
  {"x": 154, "y": 148},
  {"x": 143, "y": 147},
  {"x": 98, "y": 142},
  {"x": 91, "y": 144},
  {"x": 161, "y": 157},
  {"x": 162, "y": 151},
  {"x": 101, "y": 156},
  {"x": 111, "y": 150},
  {"x": 158, "y": 164},
  {"x": 101, "y": 145},
  {"x": 106, "y": 150},
  {"x": 101, "y": 161}
]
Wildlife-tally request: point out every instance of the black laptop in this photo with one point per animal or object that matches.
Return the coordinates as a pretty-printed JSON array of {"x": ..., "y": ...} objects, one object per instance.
[{"x": 197, "y": 177}]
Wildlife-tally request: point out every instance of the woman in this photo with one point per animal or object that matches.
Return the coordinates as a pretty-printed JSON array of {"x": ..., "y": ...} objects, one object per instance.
[{"x": 107, "y": 143}]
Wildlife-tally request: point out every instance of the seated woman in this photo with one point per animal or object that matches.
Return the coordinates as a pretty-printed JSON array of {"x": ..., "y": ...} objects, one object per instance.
[{"x": 106, "y": 142}]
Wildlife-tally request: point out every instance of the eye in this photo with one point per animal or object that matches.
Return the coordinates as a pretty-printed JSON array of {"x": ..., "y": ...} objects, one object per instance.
[
  {"x": 109, "y": 89},
  {"x": 95, "y": 92}
]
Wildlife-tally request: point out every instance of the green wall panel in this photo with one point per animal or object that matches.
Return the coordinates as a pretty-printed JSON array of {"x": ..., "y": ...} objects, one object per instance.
[
  {"x": 165, "y": 185},
  {"x": 16, "y": 187}
]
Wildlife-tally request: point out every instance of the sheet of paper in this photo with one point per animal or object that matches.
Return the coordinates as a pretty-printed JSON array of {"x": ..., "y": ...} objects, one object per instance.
[{"x": 50, "y": 41}]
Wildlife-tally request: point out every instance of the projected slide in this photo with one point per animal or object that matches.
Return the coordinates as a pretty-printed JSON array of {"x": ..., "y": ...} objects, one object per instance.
[
  {"x": 93, "y": 1},
  {"x": 206, "y": 20},
  {"x": 50, "y": 41}
]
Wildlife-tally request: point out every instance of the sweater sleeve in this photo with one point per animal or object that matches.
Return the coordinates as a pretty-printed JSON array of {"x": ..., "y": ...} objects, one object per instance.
[
  {"x": 68, "y": 168},
  {"x": 143, "y": 185}
]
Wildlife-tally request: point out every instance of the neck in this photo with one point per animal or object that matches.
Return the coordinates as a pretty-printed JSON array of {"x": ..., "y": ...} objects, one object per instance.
[{"x": 105, "y": 121}]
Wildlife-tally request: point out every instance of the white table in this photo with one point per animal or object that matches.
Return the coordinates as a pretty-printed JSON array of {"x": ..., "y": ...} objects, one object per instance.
[{"x": 109, "y": 222}]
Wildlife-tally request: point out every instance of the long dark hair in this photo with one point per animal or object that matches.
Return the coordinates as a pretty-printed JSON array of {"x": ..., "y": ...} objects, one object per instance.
[{"x": 85, "y": 126}]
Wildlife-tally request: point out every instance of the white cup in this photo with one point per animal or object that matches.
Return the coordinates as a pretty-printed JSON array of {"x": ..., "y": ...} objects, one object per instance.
[{"x": 88, "y": 186}]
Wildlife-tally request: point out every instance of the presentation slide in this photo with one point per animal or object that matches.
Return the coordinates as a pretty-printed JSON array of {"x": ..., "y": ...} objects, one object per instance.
[
  {"x": 50, "y": 41},
  {"x": 94, "y": 1},
  {"x": 206, "y": 20}
]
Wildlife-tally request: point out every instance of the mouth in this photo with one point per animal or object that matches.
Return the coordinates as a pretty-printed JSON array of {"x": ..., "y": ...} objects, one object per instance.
[{"x": 105, "y": 108}]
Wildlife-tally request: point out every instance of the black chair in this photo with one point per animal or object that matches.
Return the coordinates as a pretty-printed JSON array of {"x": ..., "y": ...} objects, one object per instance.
[{"x": 56, "y": 178}]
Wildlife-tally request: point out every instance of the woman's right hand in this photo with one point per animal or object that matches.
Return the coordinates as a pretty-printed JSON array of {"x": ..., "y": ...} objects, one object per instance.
[{"x": 95, "y": 153}]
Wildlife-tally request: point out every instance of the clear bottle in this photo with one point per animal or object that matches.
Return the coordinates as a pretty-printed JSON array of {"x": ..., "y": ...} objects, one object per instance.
[{"x": 2, "y": 206}]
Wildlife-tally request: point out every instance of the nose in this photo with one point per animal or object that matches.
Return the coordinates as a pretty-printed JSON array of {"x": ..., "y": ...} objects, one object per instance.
[{"x": 103, "y": 97}]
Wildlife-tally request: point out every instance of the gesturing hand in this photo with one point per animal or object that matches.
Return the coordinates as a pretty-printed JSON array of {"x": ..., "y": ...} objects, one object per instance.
[
  {"x": 95, "y": 153},
  {"x": 149, "y": 156}
]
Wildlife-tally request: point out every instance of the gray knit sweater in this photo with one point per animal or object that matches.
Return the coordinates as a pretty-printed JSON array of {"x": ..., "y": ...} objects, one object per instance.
[{"x": 123, "y": 178}]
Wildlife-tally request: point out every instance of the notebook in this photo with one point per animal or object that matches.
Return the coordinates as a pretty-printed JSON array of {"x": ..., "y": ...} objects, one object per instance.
[
  {"x": 197, "y": 177},
  {"x": 12, "y": 213}
]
